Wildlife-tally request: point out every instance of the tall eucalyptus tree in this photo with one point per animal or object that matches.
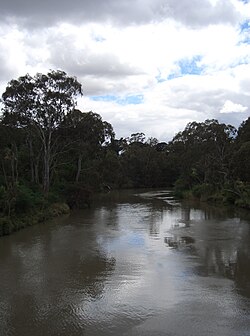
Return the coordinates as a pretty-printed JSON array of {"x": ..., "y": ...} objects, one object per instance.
[{"x": 39, "y": 104}]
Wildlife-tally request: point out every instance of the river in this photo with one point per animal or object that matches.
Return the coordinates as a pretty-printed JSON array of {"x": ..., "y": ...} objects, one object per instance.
[{"x": 136, "y": 263}]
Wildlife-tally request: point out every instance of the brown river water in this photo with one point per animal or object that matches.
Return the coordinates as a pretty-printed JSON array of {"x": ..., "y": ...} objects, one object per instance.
[{"x": 136, "y": 263}]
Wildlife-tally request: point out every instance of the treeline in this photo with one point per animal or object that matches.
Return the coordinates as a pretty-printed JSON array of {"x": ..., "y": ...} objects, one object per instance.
[{"x": 51, "y": 152}]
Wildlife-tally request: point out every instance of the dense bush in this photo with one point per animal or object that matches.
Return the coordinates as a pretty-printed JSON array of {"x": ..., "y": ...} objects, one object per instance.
[
  {"x": 27, "y": 199},
  {"x": 203, "y": 191},
  {"x": 45, "y": 163}
]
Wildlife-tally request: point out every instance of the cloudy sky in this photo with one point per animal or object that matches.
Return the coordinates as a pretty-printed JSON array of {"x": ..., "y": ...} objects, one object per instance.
[{"x": 147, "y": 66}]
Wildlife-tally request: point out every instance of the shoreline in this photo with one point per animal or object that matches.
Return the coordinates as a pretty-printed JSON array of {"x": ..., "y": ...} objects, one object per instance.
[{"x": 11, "y": 224}]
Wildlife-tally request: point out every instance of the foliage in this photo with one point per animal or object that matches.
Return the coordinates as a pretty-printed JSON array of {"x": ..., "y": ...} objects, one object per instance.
[
  {"x": 38, "y": 105},
  {"x": 52, "y": 153},
  {"x": 241, "y": 162},
  {"x": 203, "y": 191},
  {"x": 27, "y": 199},
  {"x": 58, "y": 209},
  {"x": 78, "y": 196}
]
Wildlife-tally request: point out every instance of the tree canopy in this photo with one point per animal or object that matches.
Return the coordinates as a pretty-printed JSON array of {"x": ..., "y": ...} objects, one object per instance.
[
  {"x": 40, "y": 104},
  {"x": 49, "y": 147}
]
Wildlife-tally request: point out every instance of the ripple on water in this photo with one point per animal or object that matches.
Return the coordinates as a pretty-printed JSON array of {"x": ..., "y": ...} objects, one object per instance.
[{"x": 164, "y": 270}]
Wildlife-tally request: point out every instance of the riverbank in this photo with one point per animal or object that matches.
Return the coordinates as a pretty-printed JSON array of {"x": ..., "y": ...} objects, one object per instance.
[
  {"x": 23, "y": 206},
  {"x": 10, "y": 224},
  {"x": 238, "y": 196},
  {"x": 81, "y": 197}
]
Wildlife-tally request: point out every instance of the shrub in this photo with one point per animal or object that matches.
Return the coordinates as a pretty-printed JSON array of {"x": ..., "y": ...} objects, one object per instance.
[
  {"x": 27, "y": 199},
  {"x": 180, "y": 187},
  {"x": 78, "y": 196},
  {"x": 6, "y": 226},
  {"x": 58, "y": 209},
  {"x": 2, "y": 198},
  {"x": 203, "y": 191}
]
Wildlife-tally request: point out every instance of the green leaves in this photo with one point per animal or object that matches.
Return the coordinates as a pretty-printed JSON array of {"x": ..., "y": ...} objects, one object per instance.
[
  {"x": 43, "y": 99},
  {"x": 40, "y": 104}
]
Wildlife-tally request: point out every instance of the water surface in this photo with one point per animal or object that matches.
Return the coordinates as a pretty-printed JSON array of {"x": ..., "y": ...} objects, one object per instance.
[{"x": 141, "y": 263}]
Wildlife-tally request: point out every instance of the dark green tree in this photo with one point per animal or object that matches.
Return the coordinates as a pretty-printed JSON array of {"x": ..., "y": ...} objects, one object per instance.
[
  {"x": 87, "y": 134},
  {"x": 202, "y": 153},
  {"x": 241, "y": 158},
  {"x": 40, "y": 104}
]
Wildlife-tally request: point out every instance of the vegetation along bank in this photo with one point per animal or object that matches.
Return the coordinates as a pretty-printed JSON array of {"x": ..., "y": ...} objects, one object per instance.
[{"x": 54, "y": 157}]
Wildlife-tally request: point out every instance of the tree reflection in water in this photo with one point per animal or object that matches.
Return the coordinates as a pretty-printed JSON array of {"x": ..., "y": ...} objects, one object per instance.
[
  {"x": 221, "y": 246},
  {"x": 133, "y": 262}
]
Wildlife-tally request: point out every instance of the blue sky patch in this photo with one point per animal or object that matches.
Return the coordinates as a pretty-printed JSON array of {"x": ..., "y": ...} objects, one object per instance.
[
  {"x": 106, "y": 98},
  {"x": 245, "y": 26},
  {"x": 245, "y": 31},
  {"x": 188, "y": 67},
  {"x": 126, "y": 100},
  {"x": 133, "y": 99}
]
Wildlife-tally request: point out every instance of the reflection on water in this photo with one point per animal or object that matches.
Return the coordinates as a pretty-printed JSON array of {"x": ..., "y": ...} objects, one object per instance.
[{"x": 136, "y": 264}]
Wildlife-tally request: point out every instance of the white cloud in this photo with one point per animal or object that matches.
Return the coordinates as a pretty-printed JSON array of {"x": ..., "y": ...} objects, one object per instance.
[
  {"x": 189, "y": 62},
  {"x": 230, "y": 107}
]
